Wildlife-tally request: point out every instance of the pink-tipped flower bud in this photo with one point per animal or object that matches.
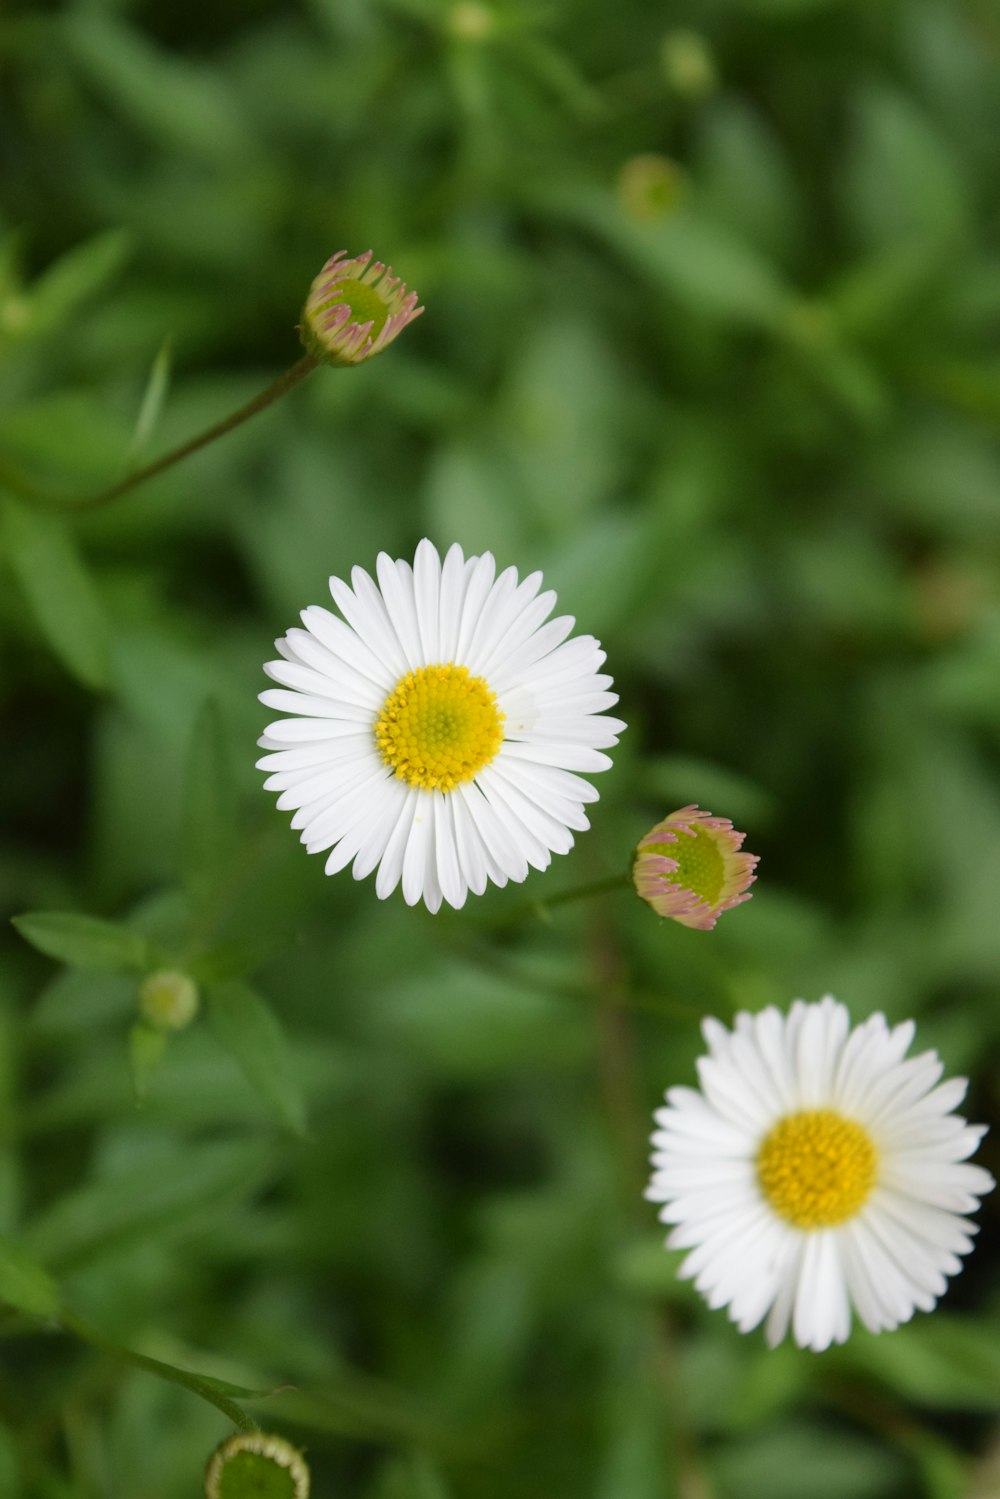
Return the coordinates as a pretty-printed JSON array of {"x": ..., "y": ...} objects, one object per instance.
[
  {"x": 355, "y": 308},
  {"x": 689, "y": 867}
]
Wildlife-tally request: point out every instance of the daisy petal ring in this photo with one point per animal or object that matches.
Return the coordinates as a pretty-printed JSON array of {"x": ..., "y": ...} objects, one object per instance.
[
  {"x": 439, "y": 728},
  {"x": 817, "y": 1171}
]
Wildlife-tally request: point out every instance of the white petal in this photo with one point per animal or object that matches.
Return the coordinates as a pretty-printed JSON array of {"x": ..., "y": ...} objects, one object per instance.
[
  {"x": 341, "y": 644},
  {"x": 340, "y": 687},
  {"x": 390, "y": 869},
  {"x": 427, "y": 596},
  {"x": 455, "y": 575},
  {"x": 364, "y": 610},
  {"x": 449, "y": 874},
  {"x": 780, "y": 1315},
  {"x": 469, "y": 847},
  {"x": 819, "y": 1045},
  {"x": 523, "y": 614},
  {"x": 535, "y": 831},
  {"x": 372, "y": 847},
  {"x": 494, "y": 836},
  {"x": 419, "y": 850},
  {"x": 283, "y": 701},
  {"x": 476, "y": 593},
  {"x": 821, "y": 1314},
  {"x": 492, "y": 621},
  {"x": 395, "y": 580}
]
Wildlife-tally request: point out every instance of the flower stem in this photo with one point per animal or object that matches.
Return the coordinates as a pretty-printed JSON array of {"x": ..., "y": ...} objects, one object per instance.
[
  {"x": 195, "y": 1383},
  {"x": 37, "y": 496},
  {"x": 540, "y": 908}
]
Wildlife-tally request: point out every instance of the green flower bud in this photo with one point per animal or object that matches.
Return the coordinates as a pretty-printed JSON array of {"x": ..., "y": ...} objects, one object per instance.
[
  {"x": 688, "y": 64},
  {"x": 355, "y": 309},
  {"x": 168, "y": 1000},
  {"x": 471, "y": 21},
  {"x": 255, "y": 1465},
  {"x": 650, "y": 187}
]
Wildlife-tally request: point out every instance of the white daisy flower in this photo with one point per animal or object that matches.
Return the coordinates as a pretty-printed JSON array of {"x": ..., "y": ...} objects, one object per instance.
[
  {"x": 816, "y": 1171},
  {"x": 438, "y": 729}
]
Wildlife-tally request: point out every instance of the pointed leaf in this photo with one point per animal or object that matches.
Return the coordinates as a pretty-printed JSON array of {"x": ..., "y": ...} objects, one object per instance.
[
  {"x": 145, "y": 1051},
  {"x": 84, "y": 941},
  {"x": 74, "y": 278},
  {"x": 146, "y": 1202},
  {"x": 59, "y": 591},
  {"x": 24, "y": 1284},
  {"x": 208, "y": 827},
  {"x": 249, "y": 1030},
  {"x": 188, "y": 108},
  {"x": 152, "y": 400}
]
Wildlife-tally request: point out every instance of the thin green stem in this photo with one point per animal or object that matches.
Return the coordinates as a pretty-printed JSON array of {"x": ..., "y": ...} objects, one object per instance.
[
  {"x": 540, "y": 908},
  {"x": 38, "y": 496},
  {"x": 193, "y": 1382}
]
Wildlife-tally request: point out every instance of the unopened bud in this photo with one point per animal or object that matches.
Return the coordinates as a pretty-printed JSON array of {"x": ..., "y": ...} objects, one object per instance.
[
  {"x": 650, "y": 186},
  {"x": 168, "y": 1000},
  {"x": 255, "y": 1465},
  {"x": 471, "y": 21},
  {"x": 355, "y": 309},
  {"x": 690, "y": 867},
  {"x": 688, "y": 65}
]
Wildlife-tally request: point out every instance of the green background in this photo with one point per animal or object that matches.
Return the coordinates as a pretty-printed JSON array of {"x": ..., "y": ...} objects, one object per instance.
[{"x": 747, "y": 423}]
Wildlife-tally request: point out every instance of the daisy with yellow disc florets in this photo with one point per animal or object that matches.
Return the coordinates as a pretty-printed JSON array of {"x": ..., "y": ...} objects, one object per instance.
[
  {"x": 817, "y": 1171},
  {"x": 439, "y": 727}
]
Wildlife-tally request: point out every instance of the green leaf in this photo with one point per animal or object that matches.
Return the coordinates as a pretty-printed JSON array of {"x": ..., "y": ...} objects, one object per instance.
[
  {"x": 208, "y": 822},
  {"x": 151, "y": 1201},
  {"x": 770, "y": 1464},
  {"x": 675, "y": 780},
  {"x": 152, "y": 401},
  {"x": 249, "y": 1031},
  {"x": 414, "y": 1476},
  {"x": 903, "y": 183},
  {"x": 714, "y": 270},
  {"x": 942, "y": 1361},
  {"x": 24, "y": 1284},
  {"x": 10, "y": 1480},
  {"x": 84, "y": 941},
  {"x": 65, "y": 432},
  {"x": 79, "y": 1000},
  {"x": 236, "y": 958},
  {"x": 74, "y": 278},
  {"x": 703, "y": 264},
  {"x": 145, "y": 1051},
  {"x": 179, "y": 104},
  {"x": 217, "y": 1392},
  {"x": 59, "y": 591}
]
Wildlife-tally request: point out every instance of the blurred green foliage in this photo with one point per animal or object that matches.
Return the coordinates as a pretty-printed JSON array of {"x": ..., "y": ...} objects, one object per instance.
[{"x": 749, "y": 428}]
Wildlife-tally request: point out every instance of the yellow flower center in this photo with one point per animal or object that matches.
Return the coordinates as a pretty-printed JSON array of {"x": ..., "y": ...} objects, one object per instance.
[
  {"x": 700, "y": 865},
  {"x": 439, "y": 726},
  {"x": 817, "y": 1168},
  {"x": 366, "y": 305}
]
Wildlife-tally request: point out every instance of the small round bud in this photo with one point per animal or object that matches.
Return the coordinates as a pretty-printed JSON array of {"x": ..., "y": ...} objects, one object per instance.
[
  {"x": 650, "y": 186},
  {"x": 355, "y": 309},
  {"x": 255, "y": 1465},
  {"x": 470, "y": 21},
  {"x": 688, "y": 64},
  {"x": 15, "y": 314},
  {"x": 168, "y": 1000},
  {"x": 810, "y": 324},
  {"x": 690, "y": 867}
]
